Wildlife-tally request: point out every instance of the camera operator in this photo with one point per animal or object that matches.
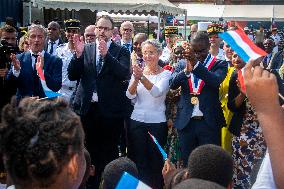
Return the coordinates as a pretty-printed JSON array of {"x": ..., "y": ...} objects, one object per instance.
[{"x": 8, "y": 45}]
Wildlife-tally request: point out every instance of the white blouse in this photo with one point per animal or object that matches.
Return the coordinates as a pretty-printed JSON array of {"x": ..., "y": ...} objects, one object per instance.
[{"x": 150, "y": 105}]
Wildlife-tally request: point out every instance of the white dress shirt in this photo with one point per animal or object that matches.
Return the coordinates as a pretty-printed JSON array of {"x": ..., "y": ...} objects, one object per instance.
[
  {"x": 66, "y": 55},
  {"x": 150, "y": 105},
  {"x": 55, "y": 45}
]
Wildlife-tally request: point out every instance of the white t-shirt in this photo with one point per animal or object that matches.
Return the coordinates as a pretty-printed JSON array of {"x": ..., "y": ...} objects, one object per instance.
[{"x": 265, "y": 178}]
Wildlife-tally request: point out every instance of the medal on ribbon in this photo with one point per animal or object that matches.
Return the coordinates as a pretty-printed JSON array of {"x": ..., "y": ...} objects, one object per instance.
[{"x": 196, "y": 84}]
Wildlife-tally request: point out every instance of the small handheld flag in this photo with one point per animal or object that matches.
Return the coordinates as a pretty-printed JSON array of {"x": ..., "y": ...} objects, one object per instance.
[
  {"x": 130, "y": 182},
  {"x": 164, "y": 154},
  {"x": 242, "y": 45}
]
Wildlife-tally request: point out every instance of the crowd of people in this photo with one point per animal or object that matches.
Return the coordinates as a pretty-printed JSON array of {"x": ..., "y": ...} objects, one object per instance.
[{"x": 116, "y": 86}]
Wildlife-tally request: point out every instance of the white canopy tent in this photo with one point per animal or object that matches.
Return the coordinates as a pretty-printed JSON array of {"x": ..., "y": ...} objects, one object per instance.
[
  {"x": 203, "y": 11},
  {"x": 234, "y": 12},
  {"x": 116, "y": 6},
  {"x": 248, "y": 12}
]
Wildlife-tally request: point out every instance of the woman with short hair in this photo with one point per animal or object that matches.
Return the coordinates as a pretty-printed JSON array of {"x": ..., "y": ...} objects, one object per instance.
[{"x": 148, "y": 89}]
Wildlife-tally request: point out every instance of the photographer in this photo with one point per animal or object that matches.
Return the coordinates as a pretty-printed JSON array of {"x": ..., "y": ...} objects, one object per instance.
[
  {"x": 8, "y": 45},
  {"x": 8, "y": 42}
]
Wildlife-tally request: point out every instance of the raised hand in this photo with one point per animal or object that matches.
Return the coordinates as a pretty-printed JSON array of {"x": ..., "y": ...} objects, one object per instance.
[
  {"x": 40, "y": 62},
  {"x": 189, "y": 55},
  {"x": 261, "y": 88},
  {"x": 137, "y": 71},
  {"x": 102, "y": 48},
  {"x": 15, "y": 62},
  {"x": 78, "y": 45}
]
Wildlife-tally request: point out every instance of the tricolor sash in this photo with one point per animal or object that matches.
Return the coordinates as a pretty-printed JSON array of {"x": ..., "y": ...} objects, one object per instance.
[
  {"x": 196, "y": 84},
  {"x": 48, "y": 93}
]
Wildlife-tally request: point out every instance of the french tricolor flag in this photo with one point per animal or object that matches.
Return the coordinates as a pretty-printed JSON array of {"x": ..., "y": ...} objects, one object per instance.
[
  {"x": 130, "y": 182},
  {"x": 242, "y": 45}
]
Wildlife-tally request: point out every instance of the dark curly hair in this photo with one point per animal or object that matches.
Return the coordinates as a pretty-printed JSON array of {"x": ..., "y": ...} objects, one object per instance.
[
  {"x": 211, "y": 162},
  {"x": 37, "y": 139}
]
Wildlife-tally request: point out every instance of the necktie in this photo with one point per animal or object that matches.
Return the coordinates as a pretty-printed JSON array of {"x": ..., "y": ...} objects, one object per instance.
[
  {"x": 99, "y": 65},
  {"x": 51, "y": 47},
  {"x": 265, "y": 62},
  {"x": 34, "y": 66},
  {"x": 35, "y": 77}
]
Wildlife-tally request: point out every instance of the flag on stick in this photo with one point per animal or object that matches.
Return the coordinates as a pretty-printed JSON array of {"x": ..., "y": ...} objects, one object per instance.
[{"x": 164, "y": 154}]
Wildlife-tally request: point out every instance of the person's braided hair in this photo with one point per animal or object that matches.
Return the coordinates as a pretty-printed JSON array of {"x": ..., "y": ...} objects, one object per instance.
[{"x": 38, "y": 138}]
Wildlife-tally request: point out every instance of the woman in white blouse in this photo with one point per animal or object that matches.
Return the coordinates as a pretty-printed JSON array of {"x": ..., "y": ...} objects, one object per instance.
[{"x": 148, "y": 88}]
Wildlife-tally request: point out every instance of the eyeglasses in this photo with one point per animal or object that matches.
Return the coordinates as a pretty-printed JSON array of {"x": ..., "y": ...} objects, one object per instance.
[
  {"x": 100, "y": 28},
  {"x": 151, "y": 53},
  {"x": 127, "y": 29}
]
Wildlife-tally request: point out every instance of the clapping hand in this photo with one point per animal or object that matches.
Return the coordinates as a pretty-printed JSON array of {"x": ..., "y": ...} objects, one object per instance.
[
  {"x": 261, "y": 88},
  {"x": 102, "y": 48},
  {"x": 189, "y": 55},
  {"x": 40, "y": 62},
  {"x": 137, "y": 72},
  {"x": 15, "y": 62},
  {"x": 78, "y": 45}
]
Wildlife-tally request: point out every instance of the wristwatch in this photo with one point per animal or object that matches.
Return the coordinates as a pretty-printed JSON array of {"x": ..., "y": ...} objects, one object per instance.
[
  {"x": 187, "y": 74},
  {"x": 142, "y": 78}
]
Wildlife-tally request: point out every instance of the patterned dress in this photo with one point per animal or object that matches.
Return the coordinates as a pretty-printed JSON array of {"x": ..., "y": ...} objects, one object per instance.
[{"x": 248, "y": 149}]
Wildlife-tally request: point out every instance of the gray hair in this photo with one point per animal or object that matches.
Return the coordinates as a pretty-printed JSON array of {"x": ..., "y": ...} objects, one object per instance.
[
  {"x": 154, "y": 43},
  {"x": 37, "y": 27},
  {"x": 54, "y": 24}
]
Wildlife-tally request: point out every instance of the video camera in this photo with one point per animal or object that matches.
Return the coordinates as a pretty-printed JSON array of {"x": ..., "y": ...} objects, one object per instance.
[{"x": 5, "y": 51}]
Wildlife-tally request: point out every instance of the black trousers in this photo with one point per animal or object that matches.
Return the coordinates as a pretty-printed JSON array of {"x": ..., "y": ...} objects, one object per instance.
[
  {"x": 102, "y": 139},
  {"x": 196, "y": 133},
  {"x": 144, "y": 152}
]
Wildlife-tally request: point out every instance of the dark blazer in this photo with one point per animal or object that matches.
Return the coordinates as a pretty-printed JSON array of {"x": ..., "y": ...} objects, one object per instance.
[
  {"x": 209, "y": 103},
  {"x": 111, "y": 83},
  {"x": 28, "y": 84},
  {"x": 277, "y": 60},
  {"x": 239, "y": 112}
]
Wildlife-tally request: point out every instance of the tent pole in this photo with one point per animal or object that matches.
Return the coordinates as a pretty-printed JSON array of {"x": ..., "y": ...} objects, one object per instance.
[
  {"x": 185, "y": 24},
  {"x": 159, "y": 25},
  {"x": 30, "y": 12}
]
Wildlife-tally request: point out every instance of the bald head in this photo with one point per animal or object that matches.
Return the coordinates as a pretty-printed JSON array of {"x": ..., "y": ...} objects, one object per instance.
[{"x": 53, "y": 31}]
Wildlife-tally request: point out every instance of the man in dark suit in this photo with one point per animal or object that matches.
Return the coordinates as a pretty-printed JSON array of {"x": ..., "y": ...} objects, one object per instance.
[
  {"x": 103, "y": 69},
  {"x": 53, "y": 38},
  {"x": 199, "y": 115},
  {"x": 25, "y": 67}
]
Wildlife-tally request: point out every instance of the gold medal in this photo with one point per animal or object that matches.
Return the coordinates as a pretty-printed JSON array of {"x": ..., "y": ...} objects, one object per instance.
[{"x": 194, "y": 100}]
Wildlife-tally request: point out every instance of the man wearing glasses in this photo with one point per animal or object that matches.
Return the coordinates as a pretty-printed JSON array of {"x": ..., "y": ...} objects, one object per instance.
[
  {"x": 103, "y": 71},
  {"x": 199, "y": 115},
  {"x": 126, "y": 31}
]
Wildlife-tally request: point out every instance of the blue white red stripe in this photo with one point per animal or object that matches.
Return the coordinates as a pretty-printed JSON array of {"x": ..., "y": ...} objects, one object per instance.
[
  {"x": 164, "y": 154},
  {"x": 130, "y": 182},
  {"x": 48, "y": 93},
  {"x": 242, "y": 45}
]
